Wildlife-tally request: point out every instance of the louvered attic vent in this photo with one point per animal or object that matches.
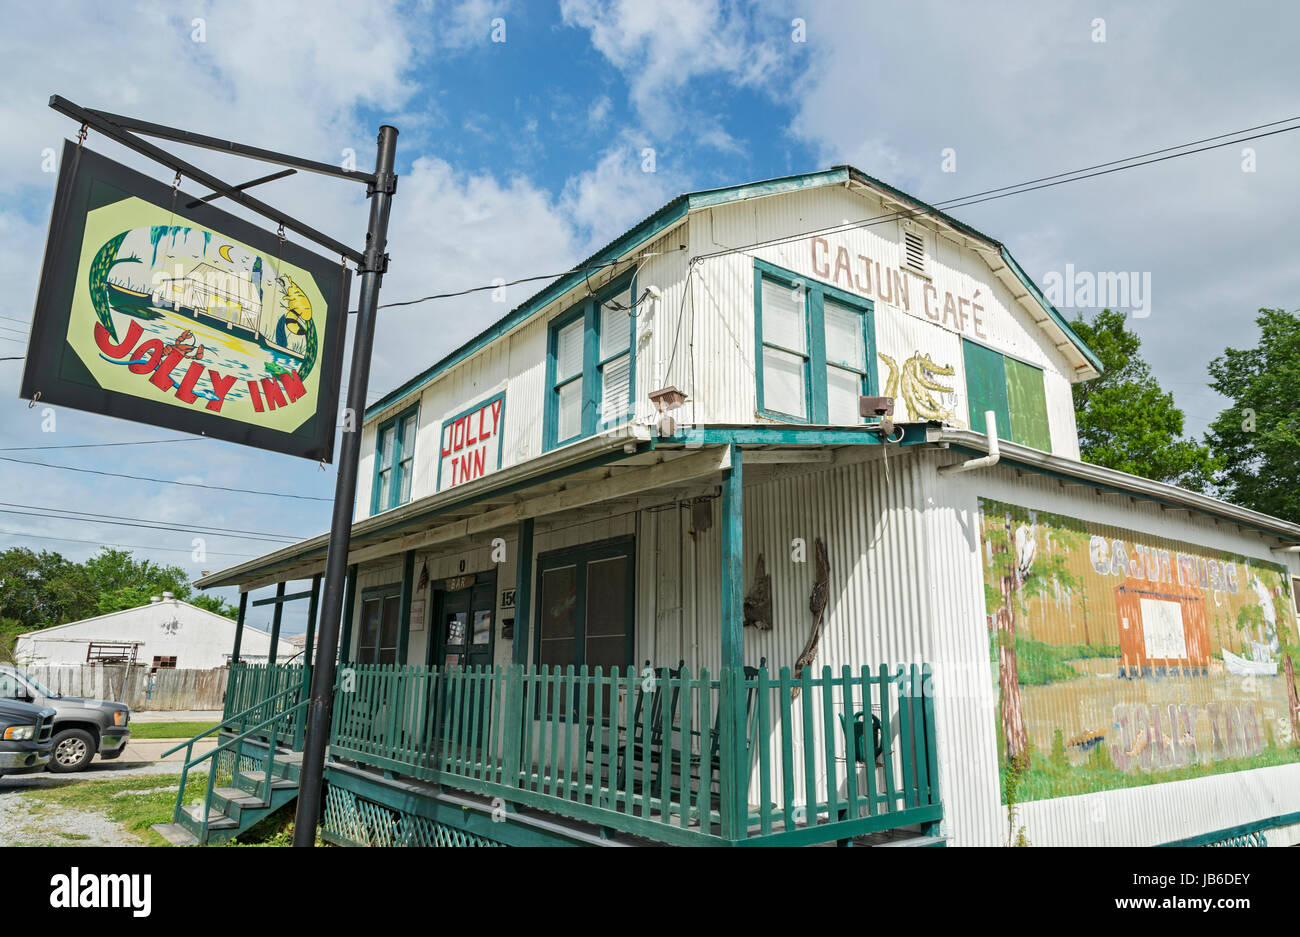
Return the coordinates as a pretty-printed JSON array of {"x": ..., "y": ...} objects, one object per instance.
[{"x": 914, "y": 251}]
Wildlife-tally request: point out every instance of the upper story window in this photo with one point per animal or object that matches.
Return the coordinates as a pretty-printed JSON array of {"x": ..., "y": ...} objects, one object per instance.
[
  {"x": 591, "y": 366},
  {"x": 394, "y": 461},
  {"x": 1013, "y": 390},
  {"x": 815, "y": 354}
]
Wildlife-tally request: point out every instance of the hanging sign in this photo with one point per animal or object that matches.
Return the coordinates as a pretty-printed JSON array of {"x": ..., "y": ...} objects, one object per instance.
[
  {"x": 187, "y": 318},
  {"x": 471, "y": 443}
]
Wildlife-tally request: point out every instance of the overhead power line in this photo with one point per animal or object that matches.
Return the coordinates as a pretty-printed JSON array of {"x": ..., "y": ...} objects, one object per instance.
[
  {"x": 964, "y": 201},
  {"x": 96, "y": 445},
  {"x": 987, "y": 195},
  {"x": 32, "y": 535},
  {"x": 67, "y": 514},
  {"x": 166, "y": 481}
]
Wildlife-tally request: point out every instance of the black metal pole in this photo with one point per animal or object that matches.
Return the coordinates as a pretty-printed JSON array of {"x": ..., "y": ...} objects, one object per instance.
[{"x": 336, "y": 561}]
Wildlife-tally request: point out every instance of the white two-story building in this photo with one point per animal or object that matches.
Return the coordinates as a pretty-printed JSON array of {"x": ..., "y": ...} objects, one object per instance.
[{"x": 660, "y": 466}]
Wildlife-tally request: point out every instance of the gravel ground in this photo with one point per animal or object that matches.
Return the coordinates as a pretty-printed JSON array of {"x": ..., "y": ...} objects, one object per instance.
[{"x": 25, "y": 823}]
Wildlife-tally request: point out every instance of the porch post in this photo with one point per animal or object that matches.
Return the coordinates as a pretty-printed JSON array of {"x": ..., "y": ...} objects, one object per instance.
[
  {"x": 731, "y": 697},
  {"x": 344, "y": 650},
  {"x": 275, "y": 624},
  {"x": 404, "y": 606},
  {"x": 239, "y": 627},
  {"x": 307, "y": 648},
  {"x": 523, "y": 590}
]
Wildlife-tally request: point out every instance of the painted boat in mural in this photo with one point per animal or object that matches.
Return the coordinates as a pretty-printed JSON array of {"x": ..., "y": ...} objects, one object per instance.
[
  {"x": 1242, "y": 667},
  {"x": 127, "y": 299}
]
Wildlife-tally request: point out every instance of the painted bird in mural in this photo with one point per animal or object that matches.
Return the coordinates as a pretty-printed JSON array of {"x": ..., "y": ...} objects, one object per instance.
[
  {"x": 1026, "y": 550},
  {"x": 297, "y": 310}
]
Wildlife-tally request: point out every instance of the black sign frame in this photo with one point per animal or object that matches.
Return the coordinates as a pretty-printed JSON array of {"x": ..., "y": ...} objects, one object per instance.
[{"x": 50, "y": 356}]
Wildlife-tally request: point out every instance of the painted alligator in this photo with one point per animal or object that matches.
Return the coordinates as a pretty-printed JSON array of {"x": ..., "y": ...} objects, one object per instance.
[{"x": 916, "y": 383}]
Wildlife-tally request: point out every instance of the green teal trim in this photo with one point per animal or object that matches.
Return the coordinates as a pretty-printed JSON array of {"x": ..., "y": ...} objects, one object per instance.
[
  {"x": 404, "y": 613},
  {"x": 1233, "y": 832},
  {"x": 443, "y": 451},
  {"x": 349, "y": 613},
  {"x": 913, "y": 434},
  {"x": 1051, "y": 310},
  {"x": 733, "y": 750},
  {"x": 397, "y": 424},
  {"x": 816, "y": 292},
  {"x": 523, "y": 590}
]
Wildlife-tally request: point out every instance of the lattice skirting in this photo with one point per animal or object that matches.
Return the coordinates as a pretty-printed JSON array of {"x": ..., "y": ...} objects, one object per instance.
[
  {"x": 1255, "y": 838},
  {"x": 360, "y": 822}
]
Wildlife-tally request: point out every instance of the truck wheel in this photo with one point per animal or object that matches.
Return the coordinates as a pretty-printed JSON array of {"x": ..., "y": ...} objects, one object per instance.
[{"x": 73, "y": 749}]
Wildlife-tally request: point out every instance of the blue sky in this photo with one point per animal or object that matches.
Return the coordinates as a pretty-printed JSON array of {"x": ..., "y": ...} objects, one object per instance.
[{"x": 519, "y": 157}]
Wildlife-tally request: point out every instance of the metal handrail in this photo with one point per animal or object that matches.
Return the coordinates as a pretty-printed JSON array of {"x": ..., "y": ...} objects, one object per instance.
[{"x": 223, "y": 746}]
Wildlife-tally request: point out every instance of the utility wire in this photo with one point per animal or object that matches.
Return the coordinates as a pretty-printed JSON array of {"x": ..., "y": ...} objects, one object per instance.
[
  {"x": 166, "y": 481},
  {"x": 1019, "y": 189},
  {"x": 987, "y": 195},
  {"x": 32, "y": 535},
  {"x": 96, "y": 445},
  {"x": 66, "y": 514}
]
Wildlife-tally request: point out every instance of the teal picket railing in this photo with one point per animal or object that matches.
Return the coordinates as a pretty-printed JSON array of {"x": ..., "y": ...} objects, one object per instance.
[
  {"x": 660, "y": 754},
  {"x": 253, "y": 692},
  {"x": 271, "y": 726}
]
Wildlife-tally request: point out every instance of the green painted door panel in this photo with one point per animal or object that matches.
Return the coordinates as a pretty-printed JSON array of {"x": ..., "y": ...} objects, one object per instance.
[
  {"x": 1028, "y": 403},
  {"x": 986, "y": 388}
]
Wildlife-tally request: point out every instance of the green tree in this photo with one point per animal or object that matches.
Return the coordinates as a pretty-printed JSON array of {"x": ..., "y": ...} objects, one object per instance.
[
  {"x": 1257, "y": 438},
  {"x": 213, "y": 603},
  {"x": 39, "y": 590},
  {"x": 1125, "y": 420},
  {"x": 42, "y": 589}
]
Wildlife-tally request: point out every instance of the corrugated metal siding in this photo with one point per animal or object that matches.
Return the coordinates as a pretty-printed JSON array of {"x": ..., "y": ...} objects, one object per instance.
[
  {"x": 720, "y": 308},
  {"x": 1133, "y": 816}
]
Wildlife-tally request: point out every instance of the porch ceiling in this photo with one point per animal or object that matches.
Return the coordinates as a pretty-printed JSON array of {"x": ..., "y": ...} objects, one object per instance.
[{"x": 601, "y": 476}]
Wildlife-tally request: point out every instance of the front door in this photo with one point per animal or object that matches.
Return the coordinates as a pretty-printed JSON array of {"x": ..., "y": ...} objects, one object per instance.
[
  {"x": 464, "y": 633},
  {"x": 465, "y": 628}
]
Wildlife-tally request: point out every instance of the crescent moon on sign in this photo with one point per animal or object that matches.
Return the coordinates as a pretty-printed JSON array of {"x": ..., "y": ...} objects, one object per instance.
[{"x": 225, "y": 253}]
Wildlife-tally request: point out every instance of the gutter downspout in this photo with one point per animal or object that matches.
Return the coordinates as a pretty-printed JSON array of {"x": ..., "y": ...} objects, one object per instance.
[{"x": 995, "y": 451}]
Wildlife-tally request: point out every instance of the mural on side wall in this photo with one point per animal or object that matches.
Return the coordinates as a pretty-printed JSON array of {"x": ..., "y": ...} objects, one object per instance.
[{"x": 1123, "y": 659}]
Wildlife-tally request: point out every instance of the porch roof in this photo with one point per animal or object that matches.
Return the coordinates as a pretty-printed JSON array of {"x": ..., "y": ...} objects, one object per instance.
[
  {"x": 1085, "y": 474},
  {"x": 623, "y": 470}
]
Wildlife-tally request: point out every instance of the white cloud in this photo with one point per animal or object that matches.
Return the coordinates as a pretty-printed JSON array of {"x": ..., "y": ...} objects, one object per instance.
[
  {"x": 608, "y": 198},
  {"x": 660, "y": 47}
]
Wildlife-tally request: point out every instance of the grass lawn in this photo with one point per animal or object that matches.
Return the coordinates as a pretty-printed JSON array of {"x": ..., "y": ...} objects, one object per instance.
[
  {"x": 141, "y": 801},
  {"x": 168, "y": 730},
  {"x": 135, "y": 802}
]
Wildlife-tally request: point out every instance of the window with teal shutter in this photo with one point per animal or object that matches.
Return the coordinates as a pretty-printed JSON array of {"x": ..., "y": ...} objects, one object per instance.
[
  {"x": 394, "y": 461},
  {"x": 591, "y": 366},
  {"x": 1013, "y": 390}
]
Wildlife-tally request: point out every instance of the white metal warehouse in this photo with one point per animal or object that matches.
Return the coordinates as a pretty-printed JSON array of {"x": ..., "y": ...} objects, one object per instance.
[{"x": 648, "y": 462}]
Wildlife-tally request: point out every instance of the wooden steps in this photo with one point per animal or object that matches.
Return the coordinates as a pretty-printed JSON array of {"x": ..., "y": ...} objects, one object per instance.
[{"x": 234, "y": 809}]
